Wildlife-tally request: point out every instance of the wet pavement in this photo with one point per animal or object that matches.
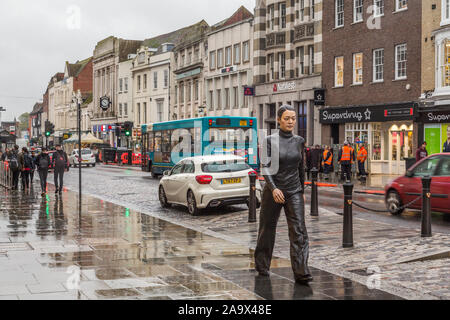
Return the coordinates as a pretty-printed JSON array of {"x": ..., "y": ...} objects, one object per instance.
[{"x": 52, "y": 250}]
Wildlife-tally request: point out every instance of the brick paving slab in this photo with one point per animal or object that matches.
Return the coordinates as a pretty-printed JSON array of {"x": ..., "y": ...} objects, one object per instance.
[
  {"x": 118, "y": 253},
  {"x": 325, "y": 232}
]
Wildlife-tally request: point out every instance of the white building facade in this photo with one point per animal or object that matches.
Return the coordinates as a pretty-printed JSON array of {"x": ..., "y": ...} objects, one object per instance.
[{"x": 229, "y": 66}]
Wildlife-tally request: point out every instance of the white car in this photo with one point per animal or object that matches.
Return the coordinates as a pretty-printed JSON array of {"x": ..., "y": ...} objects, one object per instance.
[
  {"x": 87, "y": 158},
  {"x": 208, "y": 182}
]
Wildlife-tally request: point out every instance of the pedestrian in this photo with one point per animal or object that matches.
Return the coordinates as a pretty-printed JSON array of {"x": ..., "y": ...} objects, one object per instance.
[
  {"x": 422, "y": 152},
  {"x": 26, "y": 164},
  {"x": 284, "y": 188},
  {"x": 327, "y": 162},
  {"x": 42, "y": 164},
  {"x": 14, "y": 166},
  {"x": 447, "y": 143},
  {"x": 4, "y": 155},
  {"x": 362, "y": 158},
  {"x": 345, "y": 159},
  {"x": 60, "y": 164},
  {"x": 33, "y": 169}
]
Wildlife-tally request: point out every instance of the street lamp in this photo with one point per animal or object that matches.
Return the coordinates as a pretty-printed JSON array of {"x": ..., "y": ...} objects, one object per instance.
[{"x": 77, "y": 99}]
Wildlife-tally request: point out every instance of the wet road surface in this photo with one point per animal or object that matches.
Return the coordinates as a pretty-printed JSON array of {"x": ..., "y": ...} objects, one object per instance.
[{"x": 49, "y": 249}]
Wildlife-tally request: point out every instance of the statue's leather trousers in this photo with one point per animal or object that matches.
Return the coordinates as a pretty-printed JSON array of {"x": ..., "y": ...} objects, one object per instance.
[{"x": 298, "y": 235}]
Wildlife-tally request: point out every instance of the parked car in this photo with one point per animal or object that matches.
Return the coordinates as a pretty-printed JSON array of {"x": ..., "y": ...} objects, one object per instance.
[
  {"x": 406, "y": 189},
  {"x": 207, "y": 182},
  {"x": 87, "y": 158}
]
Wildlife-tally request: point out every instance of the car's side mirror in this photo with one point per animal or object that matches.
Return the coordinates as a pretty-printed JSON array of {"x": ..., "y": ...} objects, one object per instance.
[
  {"x": 166, "y": 173},
  {"x": 409, "y": 174}
]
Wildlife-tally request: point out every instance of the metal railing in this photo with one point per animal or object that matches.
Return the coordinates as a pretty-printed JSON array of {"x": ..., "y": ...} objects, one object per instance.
[{"x": 5, "y": 175}]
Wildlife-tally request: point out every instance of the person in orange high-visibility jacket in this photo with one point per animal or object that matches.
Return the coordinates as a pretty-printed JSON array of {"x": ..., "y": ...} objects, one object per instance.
[
  {"x": 345, "y": 159},
  {"x": 362, "y": 158},
  {"x": 327, "y": 161}
]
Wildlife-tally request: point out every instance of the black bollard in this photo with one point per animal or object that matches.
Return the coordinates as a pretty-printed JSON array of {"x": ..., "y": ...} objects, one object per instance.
[
  {"x": 348, "y": 216},
  {"x": 314, "y": 196},
  {"x": 426, "y": 207},
  {"x": 252, "y": 199}
]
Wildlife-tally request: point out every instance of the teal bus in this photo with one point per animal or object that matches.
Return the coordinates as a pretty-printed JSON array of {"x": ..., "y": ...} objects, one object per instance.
[{"x": 165, "y": 144}]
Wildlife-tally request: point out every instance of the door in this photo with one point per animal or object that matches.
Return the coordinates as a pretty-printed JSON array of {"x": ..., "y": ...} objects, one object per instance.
[
  {"x": 182, "y": 182},
  {"x": 441, "y": 184},
  {"x": 413, "y": 186},
  {"x": 172, "y": 183},
  {"x": 400, "y": 149}
]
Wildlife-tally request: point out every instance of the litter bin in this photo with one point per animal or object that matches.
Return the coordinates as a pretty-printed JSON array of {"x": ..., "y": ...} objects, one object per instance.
[
  {"x": 109, "y": 155},
  {"x": 409, "y": 162}
]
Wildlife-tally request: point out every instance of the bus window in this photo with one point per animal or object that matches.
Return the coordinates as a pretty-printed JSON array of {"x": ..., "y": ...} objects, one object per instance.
[
  {"x": 151, "y": 142},
  {"x": 166, "y": 141},
  {"x": 234, "y": 135},
  {"x": 158, "y": 142}
]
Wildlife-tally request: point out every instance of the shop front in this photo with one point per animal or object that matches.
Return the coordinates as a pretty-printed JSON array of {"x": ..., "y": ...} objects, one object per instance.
[
  {"x": 436, "y": 128},
  {"x": 386, "y": 131}
]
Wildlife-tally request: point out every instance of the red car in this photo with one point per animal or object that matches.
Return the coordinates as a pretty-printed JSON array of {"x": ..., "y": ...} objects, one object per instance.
[{"x": 405, "y": 189}]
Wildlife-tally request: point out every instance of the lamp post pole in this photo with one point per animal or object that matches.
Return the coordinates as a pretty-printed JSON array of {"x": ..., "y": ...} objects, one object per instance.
[{"x": 78, "y": 100}]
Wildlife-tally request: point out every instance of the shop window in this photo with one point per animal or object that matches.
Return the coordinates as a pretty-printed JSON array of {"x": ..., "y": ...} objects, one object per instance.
[
  {"x": 376, "y": 142},
  {"x": 445, "y": 67}
]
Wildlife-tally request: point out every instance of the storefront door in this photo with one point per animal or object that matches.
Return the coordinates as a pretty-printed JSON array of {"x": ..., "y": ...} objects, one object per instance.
[{"x": 400, "y": 145}]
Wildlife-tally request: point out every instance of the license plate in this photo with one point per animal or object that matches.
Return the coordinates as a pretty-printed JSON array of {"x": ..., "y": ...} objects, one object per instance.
[
  {"x": 85, "y": 160},
  {"x": 231, "y": 181},
  {"x": 243, "y": 123}
]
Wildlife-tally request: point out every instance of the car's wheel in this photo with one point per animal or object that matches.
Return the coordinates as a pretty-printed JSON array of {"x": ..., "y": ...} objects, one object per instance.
[
  {"x": 394, "y": 203},
  {"x": 154, "y": 175},
  {"x": 163, "y": 198},
  {"x": 93, "y": 165},
  {"x": 192, "y": 204}
]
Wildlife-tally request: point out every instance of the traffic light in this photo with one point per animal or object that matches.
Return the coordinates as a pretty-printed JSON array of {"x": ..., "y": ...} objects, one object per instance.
[
  {"x": 49, "y": 128},
  {"x": 128, "y": 128}
]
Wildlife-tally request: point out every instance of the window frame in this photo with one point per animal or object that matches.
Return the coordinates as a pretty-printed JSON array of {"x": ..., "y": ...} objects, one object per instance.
[
  {"x": 238, "y": 56},
  {"x": 220, "y": 63},
  {"x": 339, "y": 15},
  {"x": 336, "y": 72},
  {"x": 379, "y": 10},
  {"x": 281, "y": 66},
  {"x": 246, "y": 45},
  {"x": 212, "y": 60},
  {"x": 375, "y": 65},
  {"x": 398, "y": 3},
  {"x": 358, "y": 5},
  {"x": 228, "y": 56},
  {"x": 355, "y": 75},
  {"x": 397, "y": 61}
]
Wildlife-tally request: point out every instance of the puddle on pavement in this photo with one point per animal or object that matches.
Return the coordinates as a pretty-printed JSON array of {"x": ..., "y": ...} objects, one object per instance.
[{"x": 122, "y": 254}]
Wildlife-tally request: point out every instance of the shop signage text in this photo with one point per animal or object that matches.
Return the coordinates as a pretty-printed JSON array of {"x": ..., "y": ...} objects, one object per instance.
[
  {"x": 189, "y": 74},
  {"x": 249, "y": 91},
  {"x": 319, "y": 97},
  {"x": 365, "y": 114},
  {"x": 435, "y": 117},
  {"x": 285, "y": 86}
]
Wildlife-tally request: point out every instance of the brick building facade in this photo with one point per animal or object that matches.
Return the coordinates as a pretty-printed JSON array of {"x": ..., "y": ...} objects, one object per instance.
[{"x": 372, "y": 78}]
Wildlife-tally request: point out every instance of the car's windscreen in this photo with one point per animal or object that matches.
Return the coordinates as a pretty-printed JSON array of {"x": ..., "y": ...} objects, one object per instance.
[{"x": 224, "y": 166}]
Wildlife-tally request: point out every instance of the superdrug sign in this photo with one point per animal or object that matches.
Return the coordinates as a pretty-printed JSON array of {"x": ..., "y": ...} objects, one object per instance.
[
  {"x": 435, "y": 117},
  {"x": 366, "y": 114}
]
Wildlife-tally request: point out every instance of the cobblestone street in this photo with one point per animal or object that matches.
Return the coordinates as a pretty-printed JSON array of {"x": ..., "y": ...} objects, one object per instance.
[
  {"x": 385, "y": 249},
  {"x": 112, "y": 252}
]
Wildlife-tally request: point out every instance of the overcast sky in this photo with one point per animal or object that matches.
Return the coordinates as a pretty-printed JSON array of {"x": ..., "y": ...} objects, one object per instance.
[{"x": 38, "y": 36}]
